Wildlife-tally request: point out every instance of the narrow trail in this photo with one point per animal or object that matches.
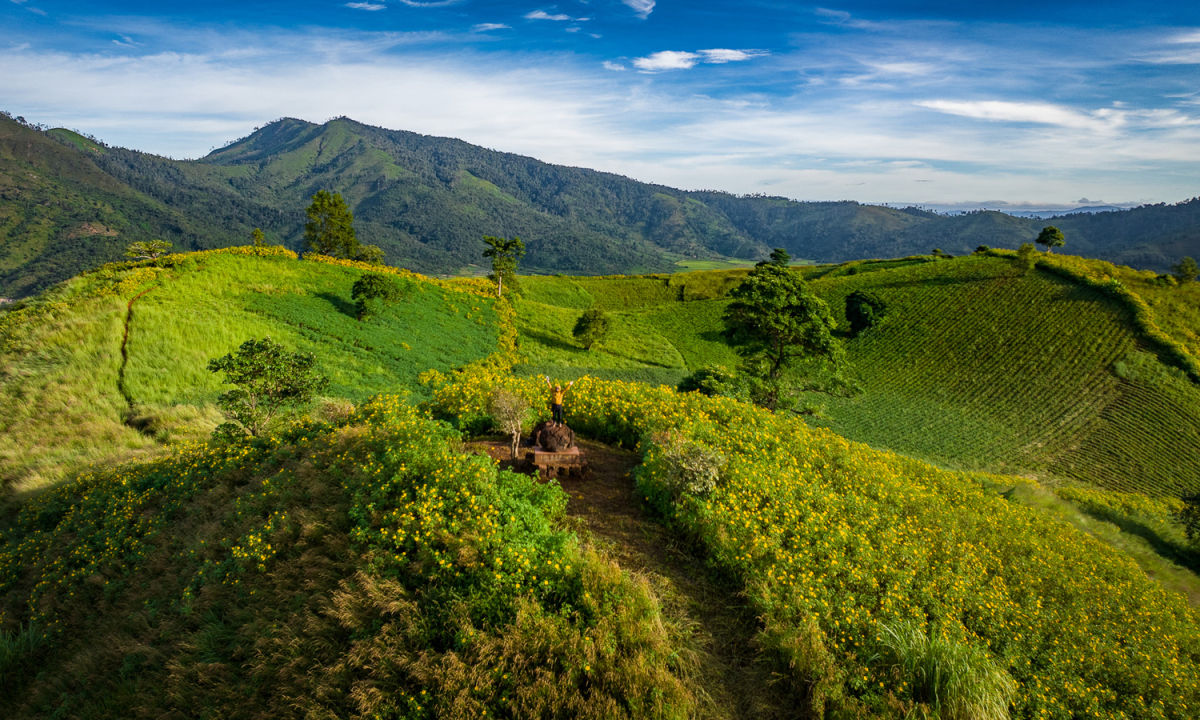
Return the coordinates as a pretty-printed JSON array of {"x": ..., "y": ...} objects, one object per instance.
[
  {"x": 718, "y": 621},
  {"x": 124, "y": 352}
]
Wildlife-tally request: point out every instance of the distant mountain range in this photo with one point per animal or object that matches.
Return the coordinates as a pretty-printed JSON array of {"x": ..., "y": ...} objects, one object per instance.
[{"x": 69, "y": 203}]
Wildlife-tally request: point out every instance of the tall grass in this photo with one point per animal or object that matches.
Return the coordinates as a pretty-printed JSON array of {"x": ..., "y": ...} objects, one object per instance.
[{"x": 957, "y": 681}]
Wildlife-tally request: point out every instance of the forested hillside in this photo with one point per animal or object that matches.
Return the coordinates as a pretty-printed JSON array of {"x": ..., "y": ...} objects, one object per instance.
[{"x": 70, "y": 203}]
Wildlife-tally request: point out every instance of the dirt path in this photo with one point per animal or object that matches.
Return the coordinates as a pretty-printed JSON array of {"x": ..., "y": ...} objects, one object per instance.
[{"x": 717, "y": 621}]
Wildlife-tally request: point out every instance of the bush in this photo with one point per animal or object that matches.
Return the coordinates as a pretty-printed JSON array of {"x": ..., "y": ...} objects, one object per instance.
[
  {"x": 864, "y": 310},
  {"x": 1026, "y": 256},
  {"x": 691, "y": 467},
  {"x": 591, "y": 327}
]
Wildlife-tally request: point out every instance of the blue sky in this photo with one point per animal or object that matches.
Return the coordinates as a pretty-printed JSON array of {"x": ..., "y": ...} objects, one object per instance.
[{"x": 942, "y": 103}]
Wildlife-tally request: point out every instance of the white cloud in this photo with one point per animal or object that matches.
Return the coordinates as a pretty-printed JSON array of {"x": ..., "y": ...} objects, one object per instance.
[
  {"x": 667, "y": 60},
  {"x": 608, "y": 65},
  {"x": 642, "y": 8},
  {"x": 366, "y": 6},
  {"x": 486, "y": 27},
  {"x": 1192, "y": 37},
  {"x": 439, "y": 3},
  {"x": 722, "y": 55},
  {"x": 1000, "y": 110},
  {"x": 543, "y": 15}
]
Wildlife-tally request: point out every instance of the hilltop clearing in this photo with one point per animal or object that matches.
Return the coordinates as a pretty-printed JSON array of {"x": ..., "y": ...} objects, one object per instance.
[
  {"x": 977, "y": 364},
  {"x": 426, "y": 201},
  {"x": 113, "y": 364}
]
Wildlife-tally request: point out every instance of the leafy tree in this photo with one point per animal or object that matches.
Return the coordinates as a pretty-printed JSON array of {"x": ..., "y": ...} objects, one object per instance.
[
  {"x": 591, "y": 327},
  {"x": 1189, "y": 517},
  {"x": 371, "y": 254},
  {"x": 775, "y": 321},
  {"x": 505, "y": 254},
  {"x": 1185, "y": 270},
  {"x": 779, "y": 257},
  {"x": 369, "y": 291},
  {"x": 268, "y": 379},
  {"x": 982, "y": 249},
  {"x": 260, "y": 240},
  {"x": 864, "y": 310},
  {"x": 151, "y": 250},
  {"x": 1026, "y": 257},
  {"x": 1051, "y": 237},
  {"x": 330, "y": 226},
  {"x": 710, "y": 380}
]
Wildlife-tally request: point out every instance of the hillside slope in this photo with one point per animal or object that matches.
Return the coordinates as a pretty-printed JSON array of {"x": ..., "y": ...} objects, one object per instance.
[
  {"x": 428, "y": 201},
  {"x": 113, "y": 364},
  {"x": 977, "y": 365}
]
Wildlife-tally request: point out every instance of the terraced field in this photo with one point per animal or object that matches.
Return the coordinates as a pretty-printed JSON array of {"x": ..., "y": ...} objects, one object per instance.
[{"x": 977, "y": 365}]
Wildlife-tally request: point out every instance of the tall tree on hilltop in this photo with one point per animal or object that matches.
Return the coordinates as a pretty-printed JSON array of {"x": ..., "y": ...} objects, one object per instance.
[
  {"x": 330, "y": 226},
  {"x": 774, "y": 322},
  {"x": 779, "y": 257},
  {"x": 1186, "y": 270},
  {"x": 1051, "y": 237},
  {"x": 505, "y": 254}
]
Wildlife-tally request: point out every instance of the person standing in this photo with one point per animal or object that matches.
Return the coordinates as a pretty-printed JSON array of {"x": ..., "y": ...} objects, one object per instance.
[{"x": 557, "y": 393}]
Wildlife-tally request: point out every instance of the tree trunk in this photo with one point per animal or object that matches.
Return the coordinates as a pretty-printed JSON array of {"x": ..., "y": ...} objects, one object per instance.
[{"x": 515, "y": 447}]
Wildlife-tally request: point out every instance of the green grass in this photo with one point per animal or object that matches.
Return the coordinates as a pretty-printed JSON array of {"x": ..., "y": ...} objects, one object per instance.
[
  {"x": 694, "y": 265},
  {"x": 65, "y": 408}
]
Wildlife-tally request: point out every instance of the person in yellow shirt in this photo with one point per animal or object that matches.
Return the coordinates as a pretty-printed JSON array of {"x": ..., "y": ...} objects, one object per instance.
[{"x": 557, "y": 393}]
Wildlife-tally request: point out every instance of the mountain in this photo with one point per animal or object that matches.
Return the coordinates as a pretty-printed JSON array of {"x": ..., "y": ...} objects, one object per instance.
[{"x": 68, "y": 203}]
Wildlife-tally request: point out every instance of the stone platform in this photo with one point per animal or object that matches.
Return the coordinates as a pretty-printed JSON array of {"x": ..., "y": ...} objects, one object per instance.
[{"x": 563, "y": 463}]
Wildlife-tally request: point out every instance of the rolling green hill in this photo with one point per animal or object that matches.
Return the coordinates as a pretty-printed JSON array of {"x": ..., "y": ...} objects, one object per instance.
[
  {"x": 428, "y": 201},
  {"x": 977, "y": 365},
  {"x": 73, "y": 394}
]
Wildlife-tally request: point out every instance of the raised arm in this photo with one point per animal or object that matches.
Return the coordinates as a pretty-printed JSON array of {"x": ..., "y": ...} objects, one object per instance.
[{"x": 548, "y": 383}]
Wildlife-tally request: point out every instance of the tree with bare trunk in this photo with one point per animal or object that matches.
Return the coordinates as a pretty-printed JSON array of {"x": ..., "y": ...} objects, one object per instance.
[{"x": 508, "y": 410}]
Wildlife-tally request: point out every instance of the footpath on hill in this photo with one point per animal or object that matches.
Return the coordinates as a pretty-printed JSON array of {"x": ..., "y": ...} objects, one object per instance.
[{"x": 715, "y": 619}]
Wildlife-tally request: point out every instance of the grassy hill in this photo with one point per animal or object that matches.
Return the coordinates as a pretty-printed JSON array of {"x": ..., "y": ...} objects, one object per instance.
[
  {"x": 977, "y": 365},
  {"x": 357, "y": 563},
  {"x": 73, "y": 203},
  {"x": 74, "y": 394}
]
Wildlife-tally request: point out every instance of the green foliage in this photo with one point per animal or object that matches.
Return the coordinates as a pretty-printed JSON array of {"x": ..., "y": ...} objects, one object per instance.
[
  {"x": 505, "y": 254},
  {"x": 957, "y": 681},
  {"x": 259, "y": 240},
  {"x": 390, "y": 573},
  {"x": 1186, "y": 270},
  {"x": 982, "y": 249},
  {"x": 689, "y": 467},
  {"x": 330, "y": 227},
  {"x": 1026, "y": 256},
  {"x": 371, "y": 290},
  {"x": 370, "y": 254},
  {"x": 1189, "y": 518},
  {"x": 710, "y": 380},
  {"x": 1051, "y": 237},
  {"x": 864, "y": 310},
  {"x": 148, "y": 250},
  {"x": 268, "y": 380},
  {"x": 779, "y": 257},
  {"x": 774, "y": 321},
  {"x": 592, "y": 327}
]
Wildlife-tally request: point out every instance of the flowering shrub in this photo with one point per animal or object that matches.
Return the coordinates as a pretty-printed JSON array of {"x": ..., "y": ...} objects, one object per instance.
[{"x": 835, "y": 541}]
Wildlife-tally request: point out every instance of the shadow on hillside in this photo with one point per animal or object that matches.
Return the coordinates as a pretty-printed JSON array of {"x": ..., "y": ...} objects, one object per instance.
[
  {"x": 551, "y": 341},
  {"x": 1181, "y": 555},
  {"x": 339, "y": 303}
]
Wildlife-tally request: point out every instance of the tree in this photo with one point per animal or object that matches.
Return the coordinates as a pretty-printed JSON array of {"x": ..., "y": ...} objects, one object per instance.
[
  {"x": 591, "y": 327},
  {"x": 864, "y": 310},
  {"x": 369, "y": 288},
  {"x": 268, "y": 379},
  {"x": 505, "y": 255},
  {"x": 260, "y": 240},
  {"x": 775, "y": 321},
  {"x": 151, "y": 250},
  {"x": 370, "y": 254},
  {"x": 330, "y": 226},
  {"x": 779, "y": 257},
  {"x": 1185, "y": 270},
  {"x": 1051, "y": 237},
  {"x": 508, "y": 410}
]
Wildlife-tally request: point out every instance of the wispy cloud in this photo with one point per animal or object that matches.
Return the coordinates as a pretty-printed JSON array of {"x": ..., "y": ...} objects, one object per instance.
[
  {"x": 486, "y": 27},
  {"x": 366, "y": 6},
  {"x": 125, "y": 41},
  {"x": 722, "y": 55},
  {"x": 609, "y": 65},
  {"x": 543, "y": 15},
  {"x": 437, "y": 3},
  {"x": 641, "y": 8}
]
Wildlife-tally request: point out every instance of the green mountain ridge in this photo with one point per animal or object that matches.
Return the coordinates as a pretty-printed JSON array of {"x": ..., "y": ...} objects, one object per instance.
[{"x": 427, "y": 201}]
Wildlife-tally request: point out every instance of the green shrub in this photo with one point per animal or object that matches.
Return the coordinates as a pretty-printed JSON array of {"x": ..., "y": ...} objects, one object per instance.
[{"x": 864, "y": 310}]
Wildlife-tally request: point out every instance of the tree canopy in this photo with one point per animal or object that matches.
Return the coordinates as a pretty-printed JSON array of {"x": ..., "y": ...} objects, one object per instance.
[
  {"x": 150, "y": 250},
  {"x": 267, "y": 379},
  {"x": 505, "y": 254},
  {"x": 1186, "y": 270},
  {"x": 330, "y": 226},
  {"x": 775, "y": 321},
  {"x": 369, "y": 291},
  {"x": 1051, "y": 237},
  {"x": 591, "y": 327}
]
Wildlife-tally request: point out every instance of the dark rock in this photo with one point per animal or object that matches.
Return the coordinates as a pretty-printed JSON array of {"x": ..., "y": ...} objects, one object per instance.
[{"x": 554, "y": 438}]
